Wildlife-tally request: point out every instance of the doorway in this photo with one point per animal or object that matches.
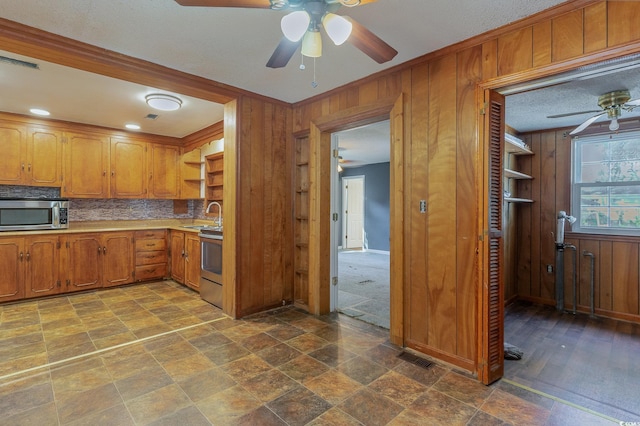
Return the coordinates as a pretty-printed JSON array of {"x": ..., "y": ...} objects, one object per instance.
[
  {"x": 360, "y": 250},
  {"x": 573, "y": 357}
]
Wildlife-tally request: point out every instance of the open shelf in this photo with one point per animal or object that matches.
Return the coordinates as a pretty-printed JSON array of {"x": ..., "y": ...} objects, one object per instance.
[
  {"x": 517, "y": 200},
  {"x": 512, "y": 174}
]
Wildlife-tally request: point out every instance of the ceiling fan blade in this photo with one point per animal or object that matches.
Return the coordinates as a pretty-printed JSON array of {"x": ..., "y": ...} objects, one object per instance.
[
  {"x": 369, "y": 43},
  {"x": 258, "y": 4},
  {"x": 569, "y": 114},
  {"x": 586, "y": 123},
  {"x": 283, "y": 53},
  {"x": 633, "y": 103}
]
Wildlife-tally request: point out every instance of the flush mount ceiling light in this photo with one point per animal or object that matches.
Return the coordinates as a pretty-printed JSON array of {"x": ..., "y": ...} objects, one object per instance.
[
  {"x": 163, "y": 102},
  {"x": 132, "y": 126}
]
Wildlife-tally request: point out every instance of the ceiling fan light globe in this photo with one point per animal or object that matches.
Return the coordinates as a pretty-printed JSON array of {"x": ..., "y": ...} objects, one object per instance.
[
  {"x": 295, "y": 25},
  {"x": 312, "y": 44},
  {"x": 338, "y": 28},
  {"x": 614, "y": 125}
]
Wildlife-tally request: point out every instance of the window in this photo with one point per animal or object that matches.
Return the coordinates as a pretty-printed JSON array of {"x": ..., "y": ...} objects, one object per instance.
[{"x": 606, "y": 183}]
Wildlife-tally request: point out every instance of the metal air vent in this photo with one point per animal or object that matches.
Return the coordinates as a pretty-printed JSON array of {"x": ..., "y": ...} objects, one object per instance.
[{"x": 18, "y": 62}]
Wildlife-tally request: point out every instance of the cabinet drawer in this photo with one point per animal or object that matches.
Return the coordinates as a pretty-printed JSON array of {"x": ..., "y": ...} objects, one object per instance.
[
  {"x": 151, "y": 244},
  {"x": 152, "y": 233},
  {"x": 151, "y": 257},
  {"x": 149, "y": 272}
]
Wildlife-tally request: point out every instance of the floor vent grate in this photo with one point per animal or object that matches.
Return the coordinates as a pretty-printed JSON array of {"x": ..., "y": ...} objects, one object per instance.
[{"x": 420, "y": 362}]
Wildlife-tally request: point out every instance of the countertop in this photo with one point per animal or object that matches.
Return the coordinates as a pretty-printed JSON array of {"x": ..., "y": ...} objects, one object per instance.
[{"x": 116, "y": 225}]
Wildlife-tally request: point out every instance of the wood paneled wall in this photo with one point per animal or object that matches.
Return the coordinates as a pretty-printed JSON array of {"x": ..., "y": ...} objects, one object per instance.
[
  {"x": 263, "y": 205},
  {"x": 441, "y": 161},
  {"x": 443, "y": 157},
  {"x": 616, "y": 258}
]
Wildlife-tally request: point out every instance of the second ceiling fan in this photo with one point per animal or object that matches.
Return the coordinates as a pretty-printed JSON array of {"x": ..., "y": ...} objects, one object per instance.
[{"x": 302, "y": 27}]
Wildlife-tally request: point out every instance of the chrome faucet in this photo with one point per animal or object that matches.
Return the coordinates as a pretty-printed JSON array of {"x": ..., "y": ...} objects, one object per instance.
[{"x": 219, "y": 211}]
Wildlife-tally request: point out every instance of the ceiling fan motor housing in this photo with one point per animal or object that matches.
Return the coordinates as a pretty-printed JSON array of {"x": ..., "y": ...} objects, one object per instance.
[{"x": 612, "y": 102}]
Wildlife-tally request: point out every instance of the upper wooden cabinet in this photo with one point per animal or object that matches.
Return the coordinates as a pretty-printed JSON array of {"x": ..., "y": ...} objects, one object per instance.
[
  {"x": 128, "y": 168},
  {"x": 86, "y": 166},
  {"x": 164, "y": 171},
  {"x": 31, "y": 155}
]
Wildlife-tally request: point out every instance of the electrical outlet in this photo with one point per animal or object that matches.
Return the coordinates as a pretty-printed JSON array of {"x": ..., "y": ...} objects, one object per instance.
[{"x": 550, "y": 269}]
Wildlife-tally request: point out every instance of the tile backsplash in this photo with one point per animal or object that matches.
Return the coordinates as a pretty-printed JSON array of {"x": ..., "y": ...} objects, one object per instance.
[{"x": 81, "y": 210}]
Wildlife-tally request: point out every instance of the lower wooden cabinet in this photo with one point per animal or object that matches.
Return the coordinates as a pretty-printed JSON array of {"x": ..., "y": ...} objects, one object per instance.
[
  {"x": 29, "y": 266},
  {"x": 151, "y": 255},
  {"x": 12, "y": 266},
  {"x": 42, "y": 265},
  {"x": 185, "y": 258},
  {"x": 97, "y": 260}
]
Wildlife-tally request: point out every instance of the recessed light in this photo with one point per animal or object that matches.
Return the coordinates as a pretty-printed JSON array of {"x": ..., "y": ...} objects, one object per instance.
[
  {"x": 163, "y": 102},
  {"x": 132, "y": 126},
  {"x": 39, "y": 111}
]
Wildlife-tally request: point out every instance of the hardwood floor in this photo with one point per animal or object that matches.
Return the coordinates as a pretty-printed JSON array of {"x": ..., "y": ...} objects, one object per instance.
[{"x": 591, "y": 362}]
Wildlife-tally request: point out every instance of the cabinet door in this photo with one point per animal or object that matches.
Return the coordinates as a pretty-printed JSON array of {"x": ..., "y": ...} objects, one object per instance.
[
  {"x": 128, "y": 169},
  {"x": 164, "y": 171},
  {"x": 86, "y": 162},
  {"x": 42, "y": 260},
  {"x": 12, "y": 267},
  {"x": 117, "y": 258},
  {"x": 44, "y": 157},
  {"x": 192, "y": 261},
  {"x": 12, "y": 146},
  {"x": 177, "y": 249},
  {"x": 84, "y": 262}
]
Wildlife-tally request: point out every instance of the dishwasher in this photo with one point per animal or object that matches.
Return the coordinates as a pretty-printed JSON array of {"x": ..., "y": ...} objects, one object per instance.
[{"x": 211, "y": 267}]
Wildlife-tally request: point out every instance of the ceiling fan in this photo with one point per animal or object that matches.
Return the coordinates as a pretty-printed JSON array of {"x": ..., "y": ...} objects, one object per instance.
[
  {"x": 612, "y": 104},
  {"x": 302, "y": 27}
]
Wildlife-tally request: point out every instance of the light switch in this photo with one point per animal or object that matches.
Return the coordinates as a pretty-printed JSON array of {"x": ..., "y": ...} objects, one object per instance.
[{"x": 423, "y": 206}]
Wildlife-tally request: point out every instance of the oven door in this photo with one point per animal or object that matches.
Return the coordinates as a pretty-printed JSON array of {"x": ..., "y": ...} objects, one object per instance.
[{"x": 211, "y": 259}]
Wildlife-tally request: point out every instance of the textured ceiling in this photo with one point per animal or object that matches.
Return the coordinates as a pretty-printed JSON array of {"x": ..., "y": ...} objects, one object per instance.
[{"x": 232, "y": 46}]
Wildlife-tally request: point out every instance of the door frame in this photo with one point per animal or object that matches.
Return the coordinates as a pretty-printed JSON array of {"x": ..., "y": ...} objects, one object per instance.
[
  {"x": 494, "y": 84},
  {"x": 390, "y": 108}
]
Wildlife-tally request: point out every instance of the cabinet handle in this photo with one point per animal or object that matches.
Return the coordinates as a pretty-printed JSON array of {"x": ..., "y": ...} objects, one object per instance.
[
  {"x": 104, "y": 173},
  {"x": 22, "y": 167},
  {"x": 113, "y": 173},
  {"x": 183, "y": 253},
  {"x": 28, "y": 256},
  {"x": 99, "y": 250},
  {"x": 21, "y": 256},
  {"x": 104, "y": 250},
  {"x": 29, "y": 167}
]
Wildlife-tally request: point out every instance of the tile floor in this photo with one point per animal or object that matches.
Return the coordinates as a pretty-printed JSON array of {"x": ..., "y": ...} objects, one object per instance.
[{"x": 157, "y": 354}]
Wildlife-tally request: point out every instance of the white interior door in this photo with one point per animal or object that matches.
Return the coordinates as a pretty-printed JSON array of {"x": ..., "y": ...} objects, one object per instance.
[{"x": 353, "y": 212}]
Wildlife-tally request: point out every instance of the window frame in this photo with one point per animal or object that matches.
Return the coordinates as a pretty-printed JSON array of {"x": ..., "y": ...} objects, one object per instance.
[{"x": 576, "y": 186}]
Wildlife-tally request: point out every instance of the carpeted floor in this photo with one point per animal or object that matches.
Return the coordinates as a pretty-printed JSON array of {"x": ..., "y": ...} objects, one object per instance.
[{"x": 363, "y": 286}]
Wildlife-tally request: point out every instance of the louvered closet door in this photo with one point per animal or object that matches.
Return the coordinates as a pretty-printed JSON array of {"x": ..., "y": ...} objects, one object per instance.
[{"x": 493, "y": 296}]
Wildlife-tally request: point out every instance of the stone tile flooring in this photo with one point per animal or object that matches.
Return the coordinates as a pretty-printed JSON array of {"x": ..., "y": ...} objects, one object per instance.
[{"x": 156, "y": 354}]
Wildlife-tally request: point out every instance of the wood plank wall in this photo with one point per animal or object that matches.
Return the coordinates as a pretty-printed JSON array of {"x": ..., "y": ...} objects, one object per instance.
[
  {"x": 442, "y": 154},
  {"x": 616, "y": 258},
  {"x": 264, "y": 205}
]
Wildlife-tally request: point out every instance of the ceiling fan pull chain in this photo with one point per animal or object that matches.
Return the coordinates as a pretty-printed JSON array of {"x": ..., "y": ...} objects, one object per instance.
[
  {"x": 302, "y": 67},
  {"x": 314, "y": 83}
]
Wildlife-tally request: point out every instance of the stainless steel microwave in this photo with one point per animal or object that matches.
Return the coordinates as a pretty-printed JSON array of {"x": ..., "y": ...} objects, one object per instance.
[{"x": 24, "y": 214}]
